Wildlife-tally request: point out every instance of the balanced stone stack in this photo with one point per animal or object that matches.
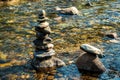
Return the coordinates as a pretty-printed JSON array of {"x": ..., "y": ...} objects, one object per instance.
[
  {"x": 89, "y": 61},
  {"x": 44, "y": 60}
]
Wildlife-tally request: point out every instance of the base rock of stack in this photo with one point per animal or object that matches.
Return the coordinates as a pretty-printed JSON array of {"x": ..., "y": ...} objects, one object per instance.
[
  {"x": 50, "y": 62},
  {"x": 89, "y": 62}
]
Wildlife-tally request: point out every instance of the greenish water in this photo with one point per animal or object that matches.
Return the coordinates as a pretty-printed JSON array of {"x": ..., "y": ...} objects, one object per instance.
[{"x": 17, "y": 27}]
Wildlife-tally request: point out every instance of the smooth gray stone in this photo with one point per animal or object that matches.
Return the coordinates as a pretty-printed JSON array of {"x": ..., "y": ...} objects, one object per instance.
[
  {"x": 42, "y": 53},
  {"x": 44, "y": 24},
  {"x": 70, "y": 10},
  {"x": 47, "y": 40},
  {"x": 46, "y": 47},
  {"x": 39, "y": 42},
  {"x": 46, "y": 30},
  {"x": 91, "y": 49}
]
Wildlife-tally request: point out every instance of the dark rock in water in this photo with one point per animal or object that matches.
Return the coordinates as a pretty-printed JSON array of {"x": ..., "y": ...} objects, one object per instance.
[
  {"x": 69, "y": 11},
  {"x": 40, "y": 42},
  {"x": 46, "y": 47},
  {"x": 91, "y": 49},
  {"x": 40, "y": 35},
  {"x": 47, "y": 40},
  {"x": 43, "y": 53},
  {"x": 112, "y": 35},
  {"x": 48, "y": 63},
  {"x": 46, "y": 30},
  {"x": 42, "y": 13},
  {"x": 89, "y": 62}
]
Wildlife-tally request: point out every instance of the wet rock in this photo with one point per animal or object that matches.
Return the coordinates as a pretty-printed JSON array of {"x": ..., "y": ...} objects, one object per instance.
[
  {"x": 89, "y": 62},
  {"x": 42, "y": 13},
  {"x": 46, "y": 47},
  {"x": 46, "y": 30},
  {"x": 91, "y": 49},
  {"x": 112, "y": 35},
  {"x": 47, "y": 40},
  {"x": 39, "y": 42},
  {"x": 44, "y": 25},
  {"x": 47, "y": 63},
  {"x": 70, "y": 10},
  {"x": 42, "y": 53},
  {"x": 40, "y": 35}
]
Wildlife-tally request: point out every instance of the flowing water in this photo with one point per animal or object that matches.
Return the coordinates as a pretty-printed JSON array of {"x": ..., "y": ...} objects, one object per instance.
[{"x": 17, "y": 33}]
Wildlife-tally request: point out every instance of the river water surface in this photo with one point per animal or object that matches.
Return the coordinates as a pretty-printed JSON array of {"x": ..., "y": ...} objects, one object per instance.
[{"x": 17, "y": 33}]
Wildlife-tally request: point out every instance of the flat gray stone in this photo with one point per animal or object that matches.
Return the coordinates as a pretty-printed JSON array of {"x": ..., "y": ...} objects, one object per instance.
[
  {"x": 41, "y": 42},
  {"x": 46, "y": 30},
  {"x": 42, "y": 53},
  {"x": 91, "y": 49},
  {"x": 43, "y": 24}
]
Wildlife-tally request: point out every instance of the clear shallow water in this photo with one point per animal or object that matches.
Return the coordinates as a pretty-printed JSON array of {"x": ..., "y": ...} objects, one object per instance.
[{"x": 17, "y": 33}]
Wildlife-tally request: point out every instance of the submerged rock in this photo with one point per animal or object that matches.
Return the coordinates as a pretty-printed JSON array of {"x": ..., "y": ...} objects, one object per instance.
[
  {"x": 89, "y": 62},
  {"x": 91, "y": 49}
]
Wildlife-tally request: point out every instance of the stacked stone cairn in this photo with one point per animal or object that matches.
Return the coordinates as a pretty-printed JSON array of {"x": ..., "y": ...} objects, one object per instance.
[
  {"x": 44, "y": 60},
  {"x": 89, "y": 61}
]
